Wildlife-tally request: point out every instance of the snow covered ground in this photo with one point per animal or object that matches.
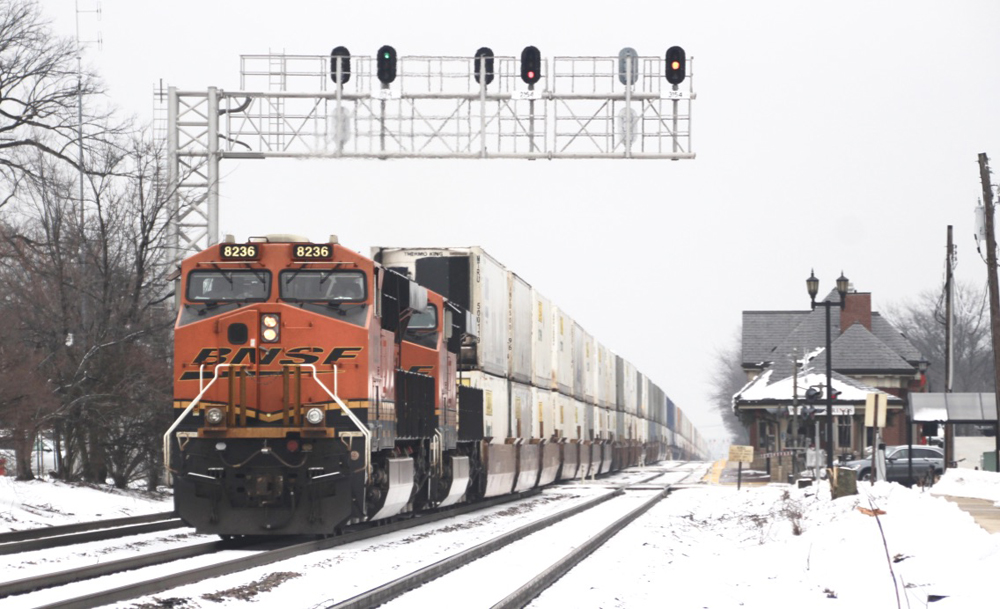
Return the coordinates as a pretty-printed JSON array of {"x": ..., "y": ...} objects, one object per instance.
[
  {"x": 39, "y": 503},
  {"x": 710, "y": 546}
]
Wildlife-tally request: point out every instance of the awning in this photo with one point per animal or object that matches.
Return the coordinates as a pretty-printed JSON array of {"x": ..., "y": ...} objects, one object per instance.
[{"x": 953, "y": 407}]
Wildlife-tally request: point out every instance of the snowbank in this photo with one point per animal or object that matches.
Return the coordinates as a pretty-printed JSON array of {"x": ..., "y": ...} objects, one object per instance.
[{"x": 976, "y": 484}]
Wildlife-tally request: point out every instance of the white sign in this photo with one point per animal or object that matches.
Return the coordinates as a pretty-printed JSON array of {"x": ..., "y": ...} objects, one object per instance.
[
  {"x": 671, "y": 94},
  {"x": 388, "y": 94},
  {"x": 524, "y": 95},
  {"x": 876, "y": 404},
  {"x": 838, "y": 411}
]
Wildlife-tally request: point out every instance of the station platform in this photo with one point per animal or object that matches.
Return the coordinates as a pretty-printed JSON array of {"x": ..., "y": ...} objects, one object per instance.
[{"x": 983, "y": 511}]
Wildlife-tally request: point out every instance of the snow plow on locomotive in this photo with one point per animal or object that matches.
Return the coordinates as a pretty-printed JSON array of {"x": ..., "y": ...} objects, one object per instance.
[{"x": 315, "y": 387}]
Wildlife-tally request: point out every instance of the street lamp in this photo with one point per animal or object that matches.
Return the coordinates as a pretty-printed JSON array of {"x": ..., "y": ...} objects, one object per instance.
[
  {"x": 922, "y": 365},
  {"x": 812, "y": 284}
]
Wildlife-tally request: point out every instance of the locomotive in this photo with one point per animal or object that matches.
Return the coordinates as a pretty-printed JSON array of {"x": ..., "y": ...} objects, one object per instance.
[{"x": 315, "y": 387}]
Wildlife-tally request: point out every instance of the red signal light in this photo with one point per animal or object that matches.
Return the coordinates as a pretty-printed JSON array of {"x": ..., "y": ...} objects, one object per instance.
[{"x": 531, "y": 65}]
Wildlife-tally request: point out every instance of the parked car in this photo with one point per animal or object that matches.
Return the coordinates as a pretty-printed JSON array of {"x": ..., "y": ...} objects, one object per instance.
[{"x": 897, "y": 459}]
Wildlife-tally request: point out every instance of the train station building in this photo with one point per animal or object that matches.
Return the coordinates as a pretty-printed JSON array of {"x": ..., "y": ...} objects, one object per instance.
[{"x": 784, "y": 357}]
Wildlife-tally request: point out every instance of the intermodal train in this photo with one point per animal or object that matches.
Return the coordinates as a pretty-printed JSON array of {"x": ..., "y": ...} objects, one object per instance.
[{"x": 315, "y": 387}]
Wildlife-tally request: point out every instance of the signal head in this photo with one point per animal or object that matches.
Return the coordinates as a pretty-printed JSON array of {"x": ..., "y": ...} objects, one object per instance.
[
  {"x": 484, "y": 62},
  {"x": 340, "y": 55},
  {"x": 628, "y": 66},
  {"x": 385, "y": 60},
  {"x": 531, "y": 65},
  {"x": 676, "y": 65}
]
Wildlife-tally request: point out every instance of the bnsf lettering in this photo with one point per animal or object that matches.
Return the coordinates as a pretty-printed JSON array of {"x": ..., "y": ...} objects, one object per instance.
[
  {"x": 301, "y": 355},
  {"x": 342, "y": 353},
  {"x": 269, "y": 356},
  {"x": 211, "y": 356}
]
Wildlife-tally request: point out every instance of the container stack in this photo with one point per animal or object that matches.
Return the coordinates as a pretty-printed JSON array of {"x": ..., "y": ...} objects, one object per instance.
[{"x": 542, "y": 374}]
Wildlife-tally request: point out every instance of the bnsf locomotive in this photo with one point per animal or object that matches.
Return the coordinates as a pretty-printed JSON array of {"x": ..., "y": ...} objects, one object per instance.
[{"x": 315, "y": 387}]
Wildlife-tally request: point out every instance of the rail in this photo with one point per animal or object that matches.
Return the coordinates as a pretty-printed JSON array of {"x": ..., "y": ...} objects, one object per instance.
[
  {"x": 400, "y": 586},
  {"x": 162, "y": 582}
]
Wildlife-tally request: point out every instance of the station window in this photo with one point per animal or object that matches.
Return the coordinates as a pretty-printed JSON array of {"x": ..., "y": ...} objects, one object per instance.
[{"x": 844, "y": 431}]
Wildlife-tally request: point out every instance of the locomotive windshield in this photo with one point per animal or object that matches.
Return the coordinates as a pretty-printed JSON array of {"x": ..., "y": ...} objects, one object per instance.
[
  {"x": 326, "y": 286},
  {"x": 424, "y": 320},
  {"x": 228, "y": 286},
  {"x": 422, "y": 327}
]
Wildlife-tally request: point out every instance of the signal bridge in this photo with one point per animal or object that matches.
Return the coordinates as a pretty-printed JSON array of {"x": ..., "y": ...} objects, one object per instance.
[{"x": 389, "y": 107}]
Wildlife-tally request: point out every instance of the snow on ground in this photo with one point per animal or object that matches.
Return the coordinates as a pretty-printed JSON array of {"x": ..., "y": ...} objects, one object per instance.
[
  {"x": 40, "y": 503},
  {"x": 969, "y": 483},
  {"x": 771, "y": 547},
  {"x": 777, "y": 546}
]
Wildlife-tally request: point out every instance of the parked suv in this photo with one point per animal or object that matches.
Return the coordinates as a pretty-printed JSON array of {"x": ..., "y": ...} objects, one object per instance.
[{"x": 925, "y": 458}]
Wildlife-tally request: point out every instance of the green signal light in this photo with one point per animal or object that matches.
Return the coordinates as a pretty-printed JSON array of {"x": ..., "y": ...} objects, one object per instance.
[{"x": 385, "y": 55}]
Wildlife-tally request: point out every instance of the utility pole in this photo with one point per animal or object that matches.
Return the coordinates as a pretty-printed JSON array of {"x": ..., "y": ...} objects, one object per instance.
[
  {"x": 991, "y": 271},
  {"x": 949, "y": 440}
]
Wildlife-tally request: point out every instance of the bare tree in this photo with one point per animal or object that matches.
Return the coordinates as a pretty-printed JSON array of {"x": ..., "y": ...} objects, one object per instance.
[
  {"x": 728, "y": 378},
  {"x": 40, "y": 87},
  {"x": 92, "y": 300},
  {"x": 25, "y": 397},
  {"x": 923, "y": 323}
]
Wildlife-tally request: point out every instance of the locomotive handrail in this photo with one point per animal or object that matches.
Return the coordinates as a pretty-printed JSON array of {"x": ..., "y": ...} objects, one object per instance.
[
  {"x": 215, "y": 376},
  {"x": 354, "y": 418},
  {"x": 194, "y": 402}
]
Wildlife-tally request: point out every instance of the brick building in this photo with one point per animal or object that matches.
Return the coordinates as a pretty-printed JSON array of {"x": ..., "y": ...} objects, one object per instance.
[{"x": 869, "y": 356}]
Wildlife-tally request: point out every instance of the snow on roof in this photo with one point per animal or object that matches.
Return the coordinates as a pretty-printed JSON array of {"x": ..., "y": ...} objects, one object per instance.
[{"x": 851, "y": 390}]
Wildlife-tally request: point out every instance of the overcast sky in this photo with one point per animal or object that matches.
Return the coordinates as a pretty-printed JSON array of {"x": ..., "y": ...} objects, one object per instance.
[{"x": 830, "y": 135}]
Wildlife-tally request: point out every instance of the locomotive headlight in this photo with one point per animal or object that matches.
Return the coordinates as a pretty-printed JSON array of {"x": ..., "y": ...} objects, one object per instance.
[
  {"x": 214, "y": 416},
  {"x": 270, "y": 328},
  {"x": 314, "y": 416}
]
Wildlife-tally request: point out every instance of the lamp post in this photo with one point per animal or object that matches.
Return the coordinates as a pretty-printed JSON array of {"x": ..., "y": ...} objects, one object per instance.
[
  {"x": 812, "y": 284},
  {"x": 922, "y": 368}
]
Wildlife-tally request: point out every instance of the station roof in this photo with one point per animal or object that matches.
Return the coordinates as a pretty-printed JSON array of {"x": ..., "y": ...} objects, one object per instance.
[
  {"x": 762, "y": 392},
  {"x": 953, "y": 407}
]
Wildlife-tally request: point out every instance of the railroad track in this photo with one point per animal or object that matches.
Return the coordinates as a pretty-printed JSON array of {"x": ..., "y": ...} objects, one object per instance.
[
  {"x": 405, "y": 591},
  {"x": 30, "y": 540},
  {"x": 268, "y": 552}
]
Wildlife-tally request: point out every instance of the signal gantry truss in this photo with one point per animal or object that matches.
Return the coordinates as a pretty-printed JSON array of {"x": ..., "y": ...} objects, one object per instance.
[{"x": 290, "y": 106}]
